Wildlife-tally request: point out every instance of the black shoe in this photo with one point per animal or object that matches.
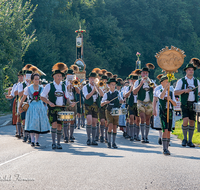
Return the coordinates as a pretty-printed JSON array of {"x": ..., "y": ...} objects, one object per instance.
[
  {"x": 135, "y": 138},
  {"x": 88, "y": 142},
  {"x": 37, "y": 144},
  {"x": 78, "y": 127},
  {"x": 101, "y": 139},
  {"x": 166, "y": 152},
  {"x": 16, "y": 135},
  {"x": 131, "y": 139},
  {"x": 71, "y": 139},
  {"x": 138, "y": 139},
  {"x": 19, "y": 137},
  {"x": 24, "y": 139},
  {"x": 190, "y": 144},
  {"x": 146, "y": 140},
  {"x": 29, "y": 140},
  {"x": 143, "y": 141},
  {"x": 106, "y": 140},
  {"x": 160, "y": 141},
  {"x": 114, "y": 145},
  {"x": 109, "y": 145},
  {"x": 184, "y": 142},
  {"x": 53, "y": 146},
  {"x": 32, "y": 144},
  {"x": 59, "y": 146},
  {"x": 96, "y": 138},
  {"x": 66, "y": 140},
  {"x": 94, "y": 143},
  {"x": 124, "y": 134}
]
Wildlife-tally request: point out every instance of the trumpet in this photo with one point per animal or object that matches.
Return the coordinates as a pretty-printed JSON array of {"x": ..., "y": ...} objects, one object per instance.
[
  {"x": 101, "y": 84},
  {"x": 151, "y": 84},
  {"x": 76, "y": 83}
]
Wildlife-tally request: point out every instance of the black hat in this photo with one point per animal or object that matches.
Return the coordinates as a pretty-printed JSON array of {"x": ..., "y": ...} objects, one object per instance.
[
  {"x": 189, "y": 65},
  {"x": 92, "y": 74},
  {"x": 43, "y": 81},
  {"x": 104, "y": 77},
  {"x": 57, "y": 72},
  {"x": 164, "y": 77},
  {"x": 70, "y": 72},
  {"x": 20, "y": 73},
  {"x": 145, "y": 69},
  {"x": 111, "y": 80}
]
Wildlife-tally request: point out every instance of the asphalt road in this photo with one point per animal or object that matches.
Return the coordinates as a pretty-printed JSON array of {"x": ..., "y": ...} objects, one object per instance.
[{"x": 77, "y": 166}]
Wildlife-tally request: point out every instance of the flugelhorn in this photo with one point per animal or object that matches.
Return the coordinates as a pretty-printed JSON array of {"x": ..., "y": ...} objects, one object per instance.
[
  {"x": 76, "y": 83},
  {"x": 151, "y": 84},
  {"x": 101, "y": 84}
]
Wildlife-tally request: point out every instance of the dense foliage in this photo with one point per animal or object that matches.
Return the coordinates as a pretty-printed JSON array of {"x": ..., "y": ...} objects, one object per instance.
[{"x": 115, "y": 31}]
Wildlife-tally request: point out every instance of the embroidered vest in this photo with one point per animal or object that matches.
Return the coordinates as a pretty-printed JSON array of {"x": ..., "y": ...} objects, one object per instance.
[
  {"x": 142, "y": 93},
  {"x": 114, "y": 103},
  {"x": 184, "y": 96},
  {"x": 90, "y": 100}
]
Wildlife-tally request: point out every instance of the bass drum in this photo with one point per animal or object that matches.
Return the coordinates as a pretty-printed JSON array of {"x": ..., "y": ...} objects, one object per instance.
[
  {"x": 65, "y": 116},
  {"x": 118, "y": 111}
]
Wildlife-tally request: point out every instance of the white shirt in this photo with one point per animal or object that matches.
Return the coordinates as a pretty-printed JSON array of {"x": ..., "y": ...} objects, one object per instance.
[
  {"x": 145, "y": 85},
  {"x": 157, "y": 90},
  {"x": 13, "y": 90},
  {"x": 20, "y": 86},
  {"x": 105, "y": 97},
  {"x": 71, "y": 94},
  {"x": 166, "y": 94},
  {"x": 190, "y": 82},
  {"x": 135, "y": 95},
  {"x": 85, "y": 92},
  {"x": 59, "y": 101}
]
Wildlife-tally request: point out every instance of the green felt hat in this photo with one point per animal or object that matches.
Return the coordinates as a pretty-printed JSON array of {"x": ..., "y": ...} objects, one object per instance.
[
  {"x": 20, "y": 73},
  {"x": 189, "y": 65},
  {"x": 133, "y": 77},
  {"x": 164, "y": 77},
  {"x": 57, "y": 72},
  {"x": 104, "y": 77},
  {"x": 111, "y": 80},
  {"x": 119, "y": 83},
  {"x": 70, "y": 72},
  {"x": 145, "y": 69},
  {"x": 92, "y": 74}
]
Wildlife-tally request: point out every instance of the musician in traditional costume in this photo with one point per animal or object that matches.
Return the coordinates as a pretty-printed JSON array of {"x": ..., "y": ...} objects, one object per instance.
[
  {"x": 112, "y": 99},
  {"x": 163, "y": 98},
  {"x": 36, "y": 116},
  {"x": 21, "y": 88},
  {"x": 184, "y": 88},
  {"x": 57, "y": 97},
  {"x": 144, "y": 92},
  {"x": 72, "y": 91},
  {"x": 92, "y": 94},
  {"x": 132, "y": 109}
]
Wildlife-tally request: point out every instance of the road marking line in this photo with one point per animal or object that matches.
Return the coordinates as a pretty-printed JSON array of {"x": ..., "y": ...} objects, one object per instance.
[
  {"x": 5, "y": 123},
  {"x": 16, "y": 158}
]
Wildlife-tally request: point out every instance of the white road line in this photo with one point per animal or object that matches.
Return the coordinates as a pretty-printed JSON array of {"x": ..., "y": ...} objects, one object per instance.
[
  {"x": 5, "y": 123},
  {"x": 17, "y": 158}
]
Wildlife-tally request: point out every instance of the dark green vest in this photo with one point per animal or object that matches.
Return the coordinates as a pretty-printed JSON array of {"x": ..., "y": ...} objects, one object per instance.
[
  {"x": 90, "y": 100},
  {"x": 184, "y": 96},
  {"x": 131, "y": 98},
  {"x": 163, "y": 102},
  {"x": 24, "y": 85},
  {"x": 52, "y": 97},
  {"x": 114, "y": 103},
  {"x": 142, "y": 93}
]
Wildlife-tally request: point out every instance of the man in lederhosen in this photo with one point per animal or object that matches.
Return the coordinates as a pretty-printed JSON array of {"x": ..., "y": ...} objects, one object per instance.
[
  {"x": 144, "y": 102},
  {"x": 57, "y": 96},
  {"x": 132, "y": 111},
  {"x": 184, "y": 88},
  {"x": 72, "y": 91},
  {"x": 92, "y": 94}
]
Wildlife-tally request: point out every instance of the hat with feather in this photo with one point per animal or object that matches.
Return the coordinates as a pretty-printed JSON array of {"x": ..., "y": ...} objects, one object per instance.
[{"x": 59, "y": 68}]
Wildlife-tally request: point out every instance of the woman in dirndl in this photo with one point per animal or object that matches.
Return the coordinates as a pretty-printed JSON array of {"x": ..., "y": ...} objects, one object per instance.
[{"x": 36, "y": 116}]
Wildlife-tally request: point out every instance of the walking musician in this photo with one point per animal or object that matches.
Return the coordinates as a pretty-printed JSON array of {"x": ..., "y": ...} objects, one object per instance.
[
  {"x": 92, "y": 94},
  {"x": 144, "y": 89},
  {"x": 113, "y": 100},
  {"x": 189, "y": 95},
  {"x": 163, "y": 97},
  {"x": 57, "y": 95}
]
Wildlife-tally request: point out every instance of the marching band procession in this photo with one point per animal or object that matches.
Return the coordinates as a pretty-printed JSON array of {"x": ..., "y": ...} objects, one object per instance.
[{"x": 101, "y": 104}]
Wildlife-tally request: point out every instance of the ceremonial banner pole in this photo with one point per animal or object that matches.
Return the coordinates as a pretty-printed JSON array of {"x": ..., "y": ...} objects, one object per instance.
[{"x": 170, "y": 60}]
